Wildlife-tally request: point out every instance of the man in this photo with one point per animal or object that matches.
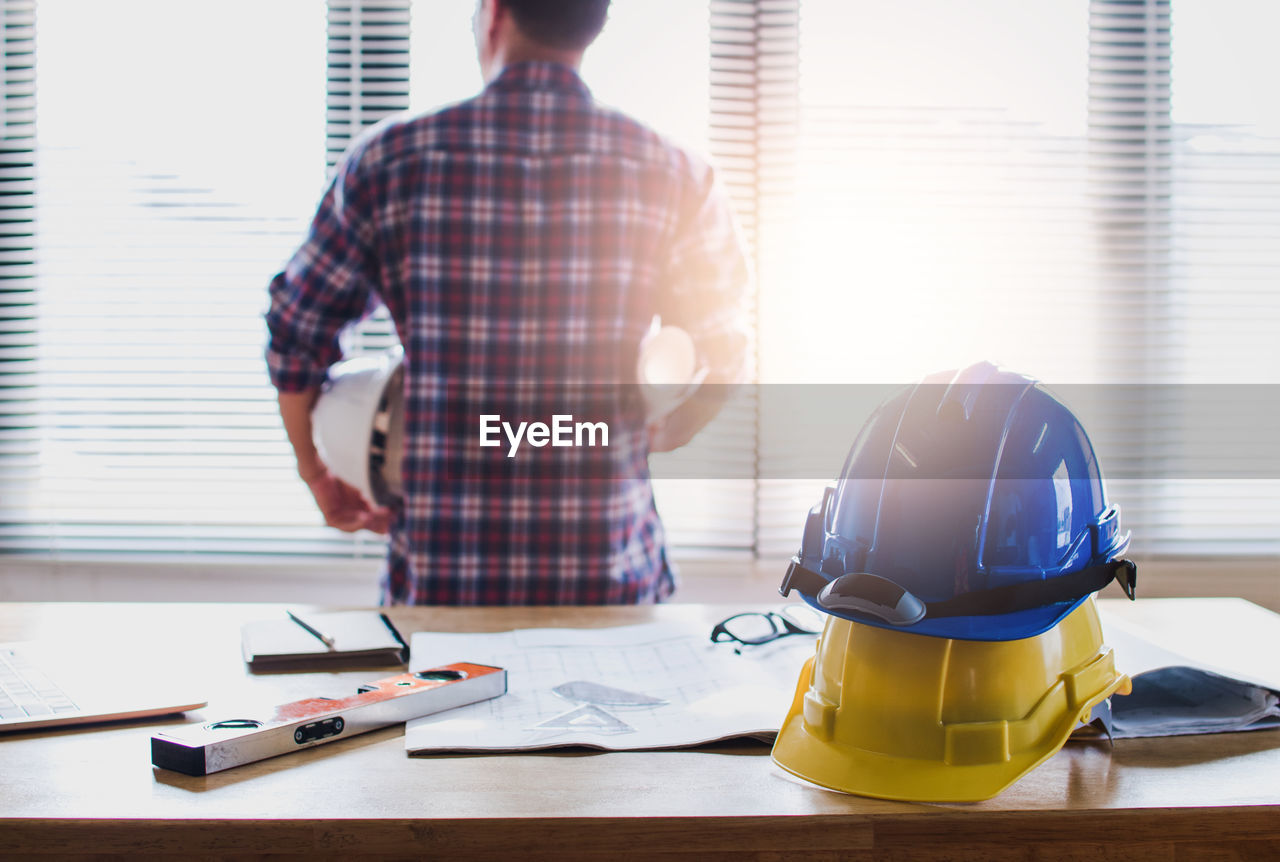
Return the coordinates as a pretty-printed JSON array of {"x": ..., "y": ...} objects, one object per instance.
[{"x": 522, "y": 241}]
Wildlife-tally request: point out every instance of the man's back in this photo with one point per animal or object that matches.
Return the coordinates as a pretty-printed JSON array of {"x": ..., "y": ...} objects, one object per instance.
[
  {"x": 529, "y": 227},
  {"x": 522, "y": 241}
]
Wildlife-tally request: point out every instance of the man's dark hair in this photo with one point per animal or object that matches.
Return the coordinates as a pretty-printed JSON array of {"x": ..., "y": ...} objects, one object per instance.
[{"x": 567, "y": 25}]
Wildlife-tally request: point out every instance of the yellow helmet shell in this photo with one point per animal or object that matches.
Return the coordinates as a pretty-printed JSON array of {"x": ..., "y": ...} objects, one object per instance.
[{"x": 894, "y": 715}]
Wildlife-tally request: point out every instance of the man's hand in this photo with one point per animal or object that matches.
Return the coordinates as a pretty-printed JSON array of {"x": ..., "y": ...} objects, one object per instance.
[{"x": 344, "y": 507}]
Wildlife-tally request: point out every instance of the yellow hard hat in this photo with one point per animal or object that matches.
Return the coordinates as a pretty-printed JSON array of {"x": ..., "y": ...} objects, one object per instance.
[{"x": 894, "y": 715}]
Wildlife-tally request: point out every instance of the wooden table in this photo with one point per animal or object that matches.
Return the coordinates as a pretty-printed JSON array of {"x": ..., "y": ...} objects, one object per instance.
[{"x": 93, "y": 791}]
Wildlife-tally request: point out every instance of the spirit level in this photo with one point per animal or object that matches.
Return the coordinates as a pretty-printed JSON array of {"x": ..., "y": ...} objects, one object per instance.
[{"x": 200, "y": 749}]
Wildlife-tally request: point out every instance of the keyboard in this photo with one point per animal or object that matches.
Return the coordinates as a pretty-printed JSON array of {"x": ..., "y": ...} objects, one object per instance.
[{"x": 25, "y": 690}]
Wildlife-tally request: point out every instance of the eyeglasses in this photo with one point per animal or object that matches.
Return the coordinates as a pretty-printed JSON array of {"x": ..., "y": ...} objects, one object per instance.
[{"x": 761, "y": 627}]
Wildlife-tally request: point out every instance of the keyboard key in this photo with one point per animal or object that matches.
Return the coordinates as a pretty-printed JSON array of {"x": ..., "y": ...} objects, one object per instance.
[{"x": 25, "y": 690}]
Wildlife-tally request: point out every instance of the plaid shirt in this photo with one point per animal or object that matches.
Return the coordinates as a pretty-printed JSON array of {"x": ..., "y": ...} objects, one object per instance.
[{"x": 522, "y": 242}]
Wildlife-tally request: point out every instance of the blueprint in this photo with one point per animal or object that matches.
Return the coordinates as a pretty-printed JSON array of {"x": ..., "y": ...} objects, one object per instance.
[
  {"x": 666, "y": 685},
  {"x": 655, "y": 685}
]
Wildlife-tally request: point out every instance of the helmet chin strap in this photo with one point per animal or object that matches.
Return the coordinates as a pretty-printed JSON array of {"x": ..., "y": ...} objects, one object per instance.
[{"x": 867, "y": 593}]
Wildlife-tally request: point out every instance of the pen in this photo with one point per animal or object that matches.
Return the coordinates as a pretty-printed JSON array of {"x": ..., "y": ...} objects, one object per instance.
[{"x": 326, "y": 639}]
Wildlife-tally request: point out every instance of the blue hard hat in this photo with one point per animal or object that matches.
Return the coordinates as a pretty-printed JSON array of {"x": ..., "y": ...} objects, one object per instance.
[{"x": 971, "y": 506}]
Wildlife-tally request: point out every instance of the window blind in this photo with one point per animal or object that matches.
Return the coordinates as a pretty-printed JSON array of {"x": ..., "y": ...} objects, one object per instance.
[
  {"x": 940, "y": 214},
  {"x": 142, "y": 422},
  {"x": 1087, "y": 194},
  {"x": 368, "y": 68},
  {"x": 1222, "y": 298},
  {"x": 18, "y": 393},
  {"x": 171, "y": 182},
  {"x": 1187, "y": 210},
  {"x": 367, "y": 81},
  {"x": 754, "y": 77},
  {"x": 1010, "y": 181}
]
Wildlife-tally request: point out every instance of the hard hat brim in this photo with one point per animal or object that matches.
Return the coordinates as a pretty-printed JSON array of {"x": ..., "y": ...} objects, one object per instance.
[{"x": 993, "y": 627}]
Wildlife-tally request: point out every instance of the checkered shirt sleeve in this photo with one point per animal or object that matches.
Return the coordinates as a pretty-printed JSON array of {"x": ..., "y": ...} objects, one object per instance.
[{"x": 327, "y": 284}]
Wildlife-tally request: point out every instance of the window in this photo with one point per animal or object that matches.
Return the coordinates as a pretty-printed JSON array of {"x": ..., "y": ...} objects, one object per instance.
[
  {"x": 1006, "y": 181},
  {"x": 173, "y": 177},
  {"x": 1089, "y": 193},
  {"x": 1225, "y": 288},
  {"x": 138, "y": 417}
]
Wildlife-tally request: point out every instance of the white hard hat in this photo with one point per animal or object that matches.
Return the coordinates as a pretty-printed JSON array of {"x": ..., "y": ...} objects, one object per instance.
[
  {"x": 667, "y": 369},
  {"x": 358, "y": 423}
]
